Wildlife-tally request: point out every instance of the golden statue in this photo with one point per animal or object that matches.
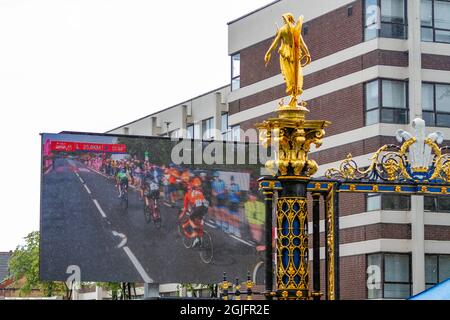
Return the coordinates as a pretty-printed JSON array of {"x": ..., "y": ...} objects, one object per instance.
[{"x": 294, "y": 55}]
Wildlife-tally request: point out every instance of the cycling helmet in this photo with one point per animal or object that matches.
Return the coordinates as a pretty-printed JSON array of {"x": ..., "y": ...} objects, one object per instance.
[{"x": 196, "y": 182}]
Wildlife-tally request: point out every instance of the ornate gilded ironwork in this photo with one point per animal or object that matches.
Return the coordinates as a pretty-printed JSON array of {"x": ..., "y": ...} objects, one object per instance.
[
  {"x": 249, "y": 284},
  {"x": 237, "y": 290},
  {"x": 291, "y": 136},
  {"x": 418, "y": 159},
  {"x": 292, "y": 247},
  {"x": 225, "y": 286},
  {"x": 330, "y": 238},
  {"x": 269, "y": 185}
]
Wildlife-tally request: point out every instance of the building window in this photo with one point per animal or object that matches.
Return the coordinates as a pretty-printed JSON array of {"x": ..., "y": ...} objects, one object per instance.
[
  {"x": 190, "y": 131},
  {"x": 435, "y": 20},
  {"x": 436, "y": 104},
  {"x": 436, "y": 204},
  {"x": 395, "y": 281},
  {"x": 385, "y": 19},
  {"x": 208, "y": 129},
  {"x": 235, "y": 71},
  {"x": 224, "y": 128},
  {"x": 197, "y": 131},
  {"x": 236, "y": 133},
  {"x": 386, "y": 102},
  {"x": 394, "y": 202},
  {"x": 437, "y": 269}
]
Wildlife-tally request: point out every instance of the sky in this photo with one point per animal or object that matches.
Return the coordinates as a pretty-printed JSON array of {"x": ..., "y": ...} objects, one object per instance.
[{"x": 93, "y": 65}]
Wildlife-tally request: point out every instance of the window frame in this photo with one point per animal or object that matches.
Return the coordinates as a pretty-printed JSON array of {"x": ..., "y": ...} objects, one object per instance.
[
  {"x": 372, "y": 195},
  {"x": 435, "y": 112},
  {"x": 383, "y": 273},
  {"x": 234, "y": 78},
  {"x": 436, "y": 205},
  {"x": 193, "y": 131},
  {"x": 438, "y": 256},
  {"x": 225, "y": 134},
  {"x": 233, "y": 136},
  {"x": 211, "y": 135},
  {"x": 437, "y": 269},
  {"x": 378, "y": 31},
  {"x": 433, "y": 28},
  {"x": 380, "y": 107},
  {"x": 382, "y": 208}
]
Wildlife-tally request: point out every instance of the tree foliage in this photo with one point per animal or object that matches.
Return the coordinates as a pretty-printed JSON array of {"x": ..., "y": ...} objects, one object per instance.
[
  {"x": 159, "y": 149},
  {"x": 24, "y": 270},
  {"x": 114, "y": 287}
]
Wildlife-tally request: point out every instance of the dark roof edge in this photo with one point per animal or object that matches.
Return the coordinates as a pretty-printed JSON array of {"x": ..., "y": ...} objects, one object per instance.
[{"x": 165, "y": 109}]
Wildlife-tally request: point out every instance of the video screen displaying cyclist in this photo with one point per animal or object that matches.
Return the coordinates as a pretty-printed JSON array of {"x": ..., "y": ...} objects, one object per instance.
[{"x": 179, "y": 223}]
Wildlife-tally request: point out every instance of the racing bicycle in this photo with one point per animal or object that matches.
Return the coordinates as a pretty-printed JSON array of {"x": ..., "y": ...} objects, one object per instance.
[
  {"x": 205, "y": 247},
  {"x": 151, "y": 211},
  {"x": 124, "y": 196}
]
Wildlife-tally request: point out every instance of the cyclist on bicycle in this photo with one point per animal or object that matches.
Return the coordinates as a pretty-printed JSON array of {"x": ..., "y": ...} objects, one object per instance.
[
  {"x": 197, "y": 205},
  {"x": 151, "y": 186},
  {"x": 122, "y": 180}
]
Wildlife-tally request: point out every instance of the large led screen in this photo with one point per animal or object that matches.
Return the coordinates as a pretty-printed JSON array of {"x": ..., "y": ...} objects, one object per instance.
[{"x": 149, "y": 209}]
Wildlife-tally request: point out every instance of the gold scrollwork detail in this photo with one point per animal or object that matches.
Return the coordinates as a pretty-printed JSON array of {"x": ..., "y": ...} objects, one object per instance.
[
  {"x": 419, "y": 161},
  {"x": 291, "y": 140},
  {"x": 330, "y": 254}
]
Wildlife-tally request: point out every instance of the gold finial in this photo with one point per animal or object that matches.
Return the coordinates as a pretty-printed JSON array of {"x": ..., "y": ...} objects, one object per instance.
[{"x": 294, "y": 55}]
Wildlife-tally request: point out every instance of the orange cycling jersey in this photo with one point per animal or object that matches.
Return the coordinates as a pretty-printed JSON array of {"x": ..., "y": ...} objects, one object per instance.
[
  {"x": 194, "y": 198},
  {"x": 185, "y": 176}
]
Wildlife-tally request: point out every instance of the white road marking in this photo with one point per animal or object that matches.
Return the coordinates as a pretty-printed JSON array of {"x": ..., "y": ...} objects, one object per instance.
[
  {"x": 211, "y": 225},
  {"x": 243, "y": 241},
  {"x": 99, "y": 208},
  {"x": 256, "y": 269},
  {"x": 121, "y": 235},
  {"x": 127, "y": 250},
  {"x": 71, "y": 162},
  {"x": 79, "y": 177},
  {"x": 138, "y": 265},
  {"x": 87, "y": 189}
]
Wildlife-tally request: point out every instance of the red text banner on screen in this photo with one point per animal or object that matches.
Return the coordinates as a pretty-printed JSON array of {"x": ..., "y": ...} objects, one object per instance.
[{"x": 68, "y": 146}]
